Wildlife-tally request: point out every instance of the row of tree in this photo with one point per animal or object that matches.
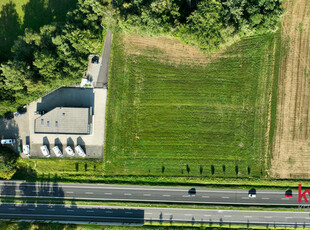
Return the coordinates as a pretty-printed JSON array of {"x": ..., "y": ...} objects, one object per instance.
[
  {"x": 55, "y": 55},
  {"x": 211, "y": 24}
]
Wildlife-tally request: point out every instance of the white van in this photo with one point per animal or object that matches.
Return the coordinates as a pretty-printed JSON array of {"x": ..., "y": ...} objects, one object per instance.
[
  {"x": 69, "y": 151},
  {"x": 45, "y": 151},
  {"x": 7, "y": 141},
  {"x": 80, "y": 151},
  {"x": 26, "y": 150},
  {"x": 57, "y": 151}
]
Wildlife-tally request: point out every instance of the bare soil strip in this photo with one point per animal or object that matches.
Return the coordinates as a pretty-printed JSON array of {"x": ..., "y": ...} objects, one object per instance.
[{"x": 291, "y": 150}]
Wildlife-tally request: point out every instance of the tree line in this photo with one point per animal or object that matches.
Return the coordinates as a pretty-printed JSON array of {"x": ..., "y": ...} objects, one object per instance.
[
  {"x": 210, "y": 24},
  {"x": 54, "y": 55}
]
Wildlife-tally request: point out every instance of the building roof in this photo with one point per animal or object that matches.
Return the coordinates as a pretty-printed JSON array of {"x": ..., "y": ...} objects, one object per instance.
[{"x": 66, "y": 120}]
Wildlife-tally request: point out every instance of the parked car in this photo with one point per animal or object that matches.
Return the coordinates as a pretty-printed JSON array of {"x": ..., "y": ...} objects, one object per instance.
[
  {"x": 9, "y": 115},
  {"x": 69, "y": 151},
  {"x": 57, "y": 151},
  {"x": 45, "y": 151},
  {"x": 26, "y": 150},
  {"x": 7, "y": 141},
  {"x": 80, "y": 151},
  {"x": 22, "y": 109}
]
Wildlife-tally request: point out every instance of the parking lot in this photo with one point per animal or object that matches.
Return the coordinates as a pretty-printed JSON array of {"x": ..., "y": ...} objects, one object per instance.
[{"x": 22, "y": 127}]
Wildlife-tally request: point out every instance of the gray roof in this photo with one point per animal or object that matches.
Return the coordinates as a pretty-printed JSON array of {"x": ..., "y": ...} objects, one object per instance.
[{"x": 66, "y": 120}]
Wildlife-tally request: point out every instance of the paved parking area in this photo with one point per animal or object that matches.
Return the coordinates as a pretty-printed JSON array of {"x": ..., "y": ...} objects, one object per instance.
[
  {"x": 91, "y": 144},
  {"x": 17, "y": 128}
]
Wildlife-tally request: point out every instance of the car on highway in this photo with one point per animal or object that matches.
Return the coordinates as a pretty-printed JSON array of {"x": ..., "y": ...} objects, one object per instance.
[
  {"x": 45, "y": 151},
  {"x": 57, "y": 151},
  {"x": 7, "y": 141},
  {"x": 80, "y": 151},
  {"x": 69, "y": 151},
  {"x": 252, "y": 193},
  {"x": 192, "y": 192},
  {"x": 288, "y": 194}
]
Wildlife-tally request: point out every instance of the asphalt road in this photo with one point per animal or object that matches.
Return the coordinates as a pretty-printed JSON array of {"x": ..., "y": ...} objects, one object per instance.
[
  {"x": 99, "y": 214},
  {"x": 145, "y": 194},
  {"x": 104, "y": 70}
]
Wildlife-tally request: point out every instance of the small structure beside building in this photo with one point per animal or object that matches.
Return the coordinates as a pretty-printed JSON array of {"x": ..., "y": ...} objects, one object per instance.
[{"x": 65, "y": 120}]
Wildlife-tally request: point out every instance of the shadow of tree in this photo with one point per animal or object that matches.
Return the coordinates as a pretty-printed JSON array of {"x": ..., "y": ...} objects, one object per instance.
[
  {"x": 10, "y": 28},
  {"x": 43, "y": 12},
  {"x": 37, "y": 13}
]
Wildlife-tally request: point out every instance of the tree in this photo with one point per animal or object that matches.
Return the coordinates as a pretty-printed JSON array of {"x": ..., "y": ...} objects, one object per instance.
[{"x": 7, "y": 162}]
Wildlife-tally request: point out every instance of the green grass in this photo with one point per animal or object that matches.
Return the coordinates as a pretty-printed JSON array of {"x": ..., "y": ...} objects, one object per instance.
[
  {"x": 210, "y": 121},
  {"x": 59, "y": 170}
]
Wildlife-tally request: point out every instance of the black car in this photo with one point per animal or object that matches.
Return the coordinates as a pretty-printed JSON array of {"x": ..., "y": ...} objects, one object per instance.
[{"x": 192, "y": 192}]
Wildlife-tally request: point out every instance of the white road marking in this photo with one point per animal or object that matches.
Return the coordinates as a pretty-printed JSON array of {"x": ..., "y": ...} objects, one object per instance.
[
  {"x": 12, "y": 208},
  {"x": 69, "y": 192},
  {"x": 167, "y": 195},
  {"x": 227, "y": 216},
  {"x": 245, "y": 198},
  {"x": 265, "y": 198},
  {"x": 51, "y": 209},
  {"x": 268, "y": 217},
  {"x": 288, "y": 217},
  {"x": 148, "y": 213},
  {"x": 128, "y": 212},
  {"x": 205, "y": 196},
  {"x": 225, "y": 197},
  {"x": 69, "y": 210},
  {"x": 107, "y": 193},
  {"x": 185, "y": 195},
  {"x": 89, "y": 211},
  {"x": 34, "y": 190},
  {"x": 31, "y": 209},
  {"x": 108, "y": 211},
  {"x": 127, "y": 194},
  {"x": 146, "y": 194},
  {"x": 247, "y": 216},
  {"x": 284, "y": 198},
  {"x": 89, "y": 193},
  {"x": 207, "y": 215},
  {"x": 188, "y": 214}
]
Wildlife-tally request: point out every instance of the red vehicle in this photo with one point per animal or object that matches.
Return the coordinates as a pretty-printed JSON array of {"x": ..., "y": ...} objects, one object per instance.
[{"x": 289, "y": 194}]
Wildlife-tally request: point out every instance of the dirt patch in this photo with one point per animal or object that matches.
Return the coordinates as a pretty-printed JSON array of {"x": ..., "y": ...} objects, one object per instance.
[
  {"x": 291, "y": 150},
  {"x": 167, "y": 50}
]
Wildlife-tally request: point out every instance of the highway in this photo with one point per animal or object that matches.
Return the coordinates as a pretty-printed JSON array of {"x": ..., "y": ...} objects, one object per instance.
[
  {"x": 145, "y": 194},
  {"x": 117, "y": 214}
]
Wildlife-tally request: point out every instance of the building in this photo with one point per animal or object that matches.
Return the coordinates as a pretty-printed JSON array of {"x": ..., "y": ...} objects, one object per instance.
[{"x": 65, "y": 120}]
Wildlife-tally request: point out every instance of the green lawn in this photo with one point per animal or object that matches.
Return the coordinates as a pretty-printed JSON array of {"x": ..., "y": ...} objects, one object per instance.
[
  {"x": 59, "y": 170},
  {"x": 186, "y": 120}
]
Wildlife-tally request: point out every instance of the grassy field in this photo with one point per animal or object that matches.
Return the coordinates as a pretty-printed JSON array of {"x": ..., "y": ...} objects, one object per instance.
[
  {"x": 168, "y": 116},
  {"x": 59, "y": 170}
]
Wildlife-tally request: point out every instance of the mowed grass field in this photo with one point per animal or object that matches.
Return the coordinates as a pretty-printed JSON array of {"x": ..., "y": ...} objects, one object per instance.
[
  {"x": 176, "y": 112},
  {"x": 59, "y": 170}
]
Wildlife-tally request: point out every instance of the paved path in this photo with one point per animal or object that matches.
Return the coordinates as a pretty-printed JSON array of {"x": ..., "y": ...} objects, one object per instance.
[
  {"x": 146, "y": 194},
  {"x": 133, "y": 215},
  {"x": 104, "y": 70}
]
